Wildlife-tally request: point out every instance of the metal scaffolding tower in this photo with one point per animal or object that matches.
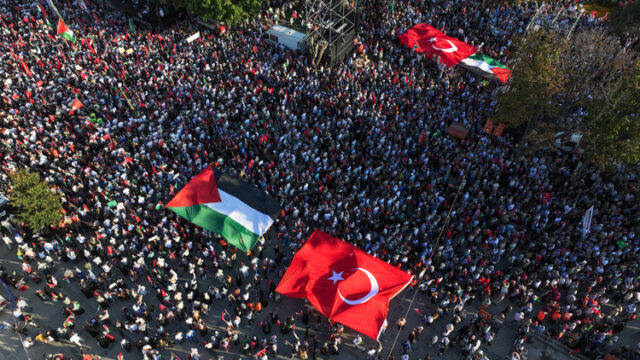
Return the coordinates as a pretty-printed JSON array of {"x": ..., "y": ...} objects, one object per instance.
[
  {"x": 556, "y": 17},
  {"x": 331, "y": 25}
]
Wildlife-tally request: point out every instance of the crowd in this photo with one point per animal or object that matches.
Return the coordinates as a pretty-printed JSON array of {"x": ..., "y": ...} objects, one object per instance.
[{"x": 357, "y": 151}]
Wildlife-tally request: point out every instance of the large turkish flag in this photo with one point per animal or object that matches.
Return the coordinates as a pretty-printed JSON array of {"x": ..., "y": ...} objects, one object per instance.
[
  {"x": 432, "y": 42},
  {"x": 343, "y": 282}
]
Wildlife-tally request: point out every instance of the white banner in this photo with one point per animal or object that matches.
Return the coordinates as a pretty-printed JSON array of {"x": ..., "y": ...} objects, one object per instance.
[
  {"x": 586, "y": 221},
  {"x": 193, "y": 37}
]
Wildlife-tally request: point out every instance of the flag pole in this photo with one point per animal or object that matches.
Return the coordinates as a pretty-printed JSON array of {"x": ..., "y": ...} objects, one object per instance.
[
  {"x": 128, "y": 102},
  {"x": 50, "y": 2}
]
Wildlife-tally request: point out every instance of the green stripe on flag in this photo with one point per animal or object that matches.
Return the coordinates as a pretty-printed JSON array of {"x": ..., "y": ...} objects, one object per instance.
[
  {"x": 205, "y": 217},
  {"x": 487, "y": 59},
  {"x": 69, "y": 36}
]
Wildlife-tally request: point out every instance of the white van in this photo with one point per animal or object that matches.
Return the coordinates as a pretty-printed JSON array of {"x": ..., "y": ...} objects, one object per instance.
[{"x": 290, "y": 38}]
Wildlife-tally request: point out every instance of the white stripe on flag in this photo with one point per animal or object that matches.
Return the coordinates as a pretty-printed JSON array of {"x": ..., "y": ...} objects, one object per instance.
[
  {"x": 252, "y": 219},
  {"x": 478, "y": 64},
  {"x": 193, "y": 37}
]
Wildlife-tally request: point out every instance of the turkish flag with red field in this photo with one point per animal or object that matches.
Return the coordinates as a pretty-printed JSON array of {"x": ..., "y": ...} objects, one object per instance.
[
  {"x": 343, "y": 282},
  {"x": 432, "y": 42}
]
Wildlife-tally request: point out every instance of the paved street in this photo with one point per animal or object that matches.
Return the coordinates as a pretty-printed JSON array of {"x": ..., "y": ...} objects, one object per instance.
[{"x": 49, "y": 315}]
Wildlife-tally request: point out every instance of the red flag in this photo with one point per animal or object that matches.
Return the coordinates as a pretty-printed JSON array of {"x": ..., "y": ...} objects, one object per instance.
[
  {"x": 432, "y": 42},
  {"x": 62, "y": 27},
  {"x": 26, "y": 68},
  {"x": 77, "y": 104},
  {"x": 90, "y": 47},
  {"x": 344, "y": 283}
]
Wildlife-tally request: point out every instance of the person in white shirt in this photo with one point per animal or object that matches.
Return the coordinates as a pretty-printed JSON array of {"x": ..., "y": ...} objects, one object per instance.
[{"x": 76, "y": 339}]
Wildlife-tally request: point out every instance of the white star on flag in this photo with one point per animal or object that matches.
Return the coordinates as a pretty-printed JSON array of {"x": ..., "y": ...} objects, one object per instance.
[{"x": 336, "y": 276}]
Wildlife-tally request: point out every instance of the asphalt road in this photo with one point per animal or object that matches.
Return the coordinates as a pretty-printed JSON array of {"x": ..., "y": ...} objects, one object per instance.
[{"x": 49, "y": 315}]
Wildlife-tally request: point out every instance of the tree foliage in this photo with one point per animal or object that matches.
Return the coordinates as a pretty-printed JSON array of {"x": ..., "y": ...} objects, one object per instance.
[
  {"x": 536, "y": 79},
  {"x": 592, "y": 61},
  {"x": 35, "y": 203},
  {"x": 555, "y": 79},
  {"x": 225, "y": 11},
  {"x": 614, "y": 134}
]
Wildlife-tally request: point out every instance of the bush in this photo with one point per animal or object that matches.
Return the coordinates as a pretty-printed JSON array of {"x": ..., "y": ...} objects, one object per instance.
[{"x": 35, "y": 204}]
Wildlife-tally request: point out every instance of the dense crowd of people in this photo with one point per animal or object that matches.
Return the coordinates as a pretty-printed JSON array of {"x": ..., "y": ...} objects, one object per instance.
[{"x": 357, "y": 151}]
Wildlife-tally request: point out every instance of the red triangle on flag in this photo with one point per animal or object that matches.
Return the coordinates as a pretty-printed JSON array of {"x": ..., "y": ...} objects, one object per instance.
[
  {"x": 77, "y": 104},
  {"x": 502, "y": 74},
  {"x": 202, "y": 189},
  {"x": 61, "y": 27}
]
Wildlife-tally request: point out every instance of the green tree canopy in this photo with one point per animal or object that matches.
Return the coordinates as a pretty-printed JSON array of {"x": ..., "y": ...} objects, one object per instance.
[
  {"x": 554, "y": 79},
  {"x": 226, "y": 11},
  {"x": 34, "y": 201},
  {"x": 536, "y": 79},
  {"x": 614, "y": 134}
]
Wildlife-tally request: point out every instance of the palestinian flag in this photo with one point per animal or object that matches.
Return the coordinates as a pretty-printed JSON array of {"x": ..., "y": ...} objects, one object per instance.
[
  {"x": 226, "y": 205},
  {"x": 487, "y": 67},
  {"x": 77, "y": 104},
  {"x": 69, "y": 321},
  {"x": 120, "y": 356},
  {"x": 64, "y": 30}
]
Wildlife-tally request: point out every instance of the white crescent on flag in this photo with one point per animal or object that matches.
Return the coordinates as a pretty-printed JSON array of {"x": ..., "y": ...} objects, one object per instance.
[
  {"x": 453, "y": 47},
  {"x": 374, "y": 290}
]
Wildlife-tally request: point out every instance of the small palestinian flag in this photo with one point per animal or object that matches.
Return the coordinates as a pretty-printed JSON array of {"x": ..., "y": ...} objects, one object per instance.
[
  {"x": 487, "y": 67},
  {"x": 77, "y": 104},
  {"x": 69, "y": 321},
  {"x": 120, "y": 356},
  {"x": 64, "y": 30},
  {"x": 226, "y": 205}
]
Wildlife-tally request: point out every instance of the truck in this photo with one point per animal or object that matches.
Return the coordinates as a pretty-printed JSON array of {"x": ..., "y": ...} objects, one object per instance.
[{"x": 289, "y": 38}]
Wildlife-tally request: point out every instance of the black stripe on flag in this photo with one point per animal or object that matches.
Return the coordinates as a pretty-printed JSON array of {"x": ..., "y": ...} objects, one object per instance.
[{"x": 248, "y": 194}]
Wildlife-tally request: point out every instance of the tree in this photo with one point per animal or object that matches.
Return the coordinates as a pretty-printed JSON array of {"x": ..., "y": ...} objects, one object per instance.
[
  {"x": 614, "y": 133},
  {"x": 226, "y": 11},
  {"x": 536, "y": 79},
  {"x": 591, "y": 62},
  {"x": 34, "y": 201},
  {"x": 554, "y": 79}
]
